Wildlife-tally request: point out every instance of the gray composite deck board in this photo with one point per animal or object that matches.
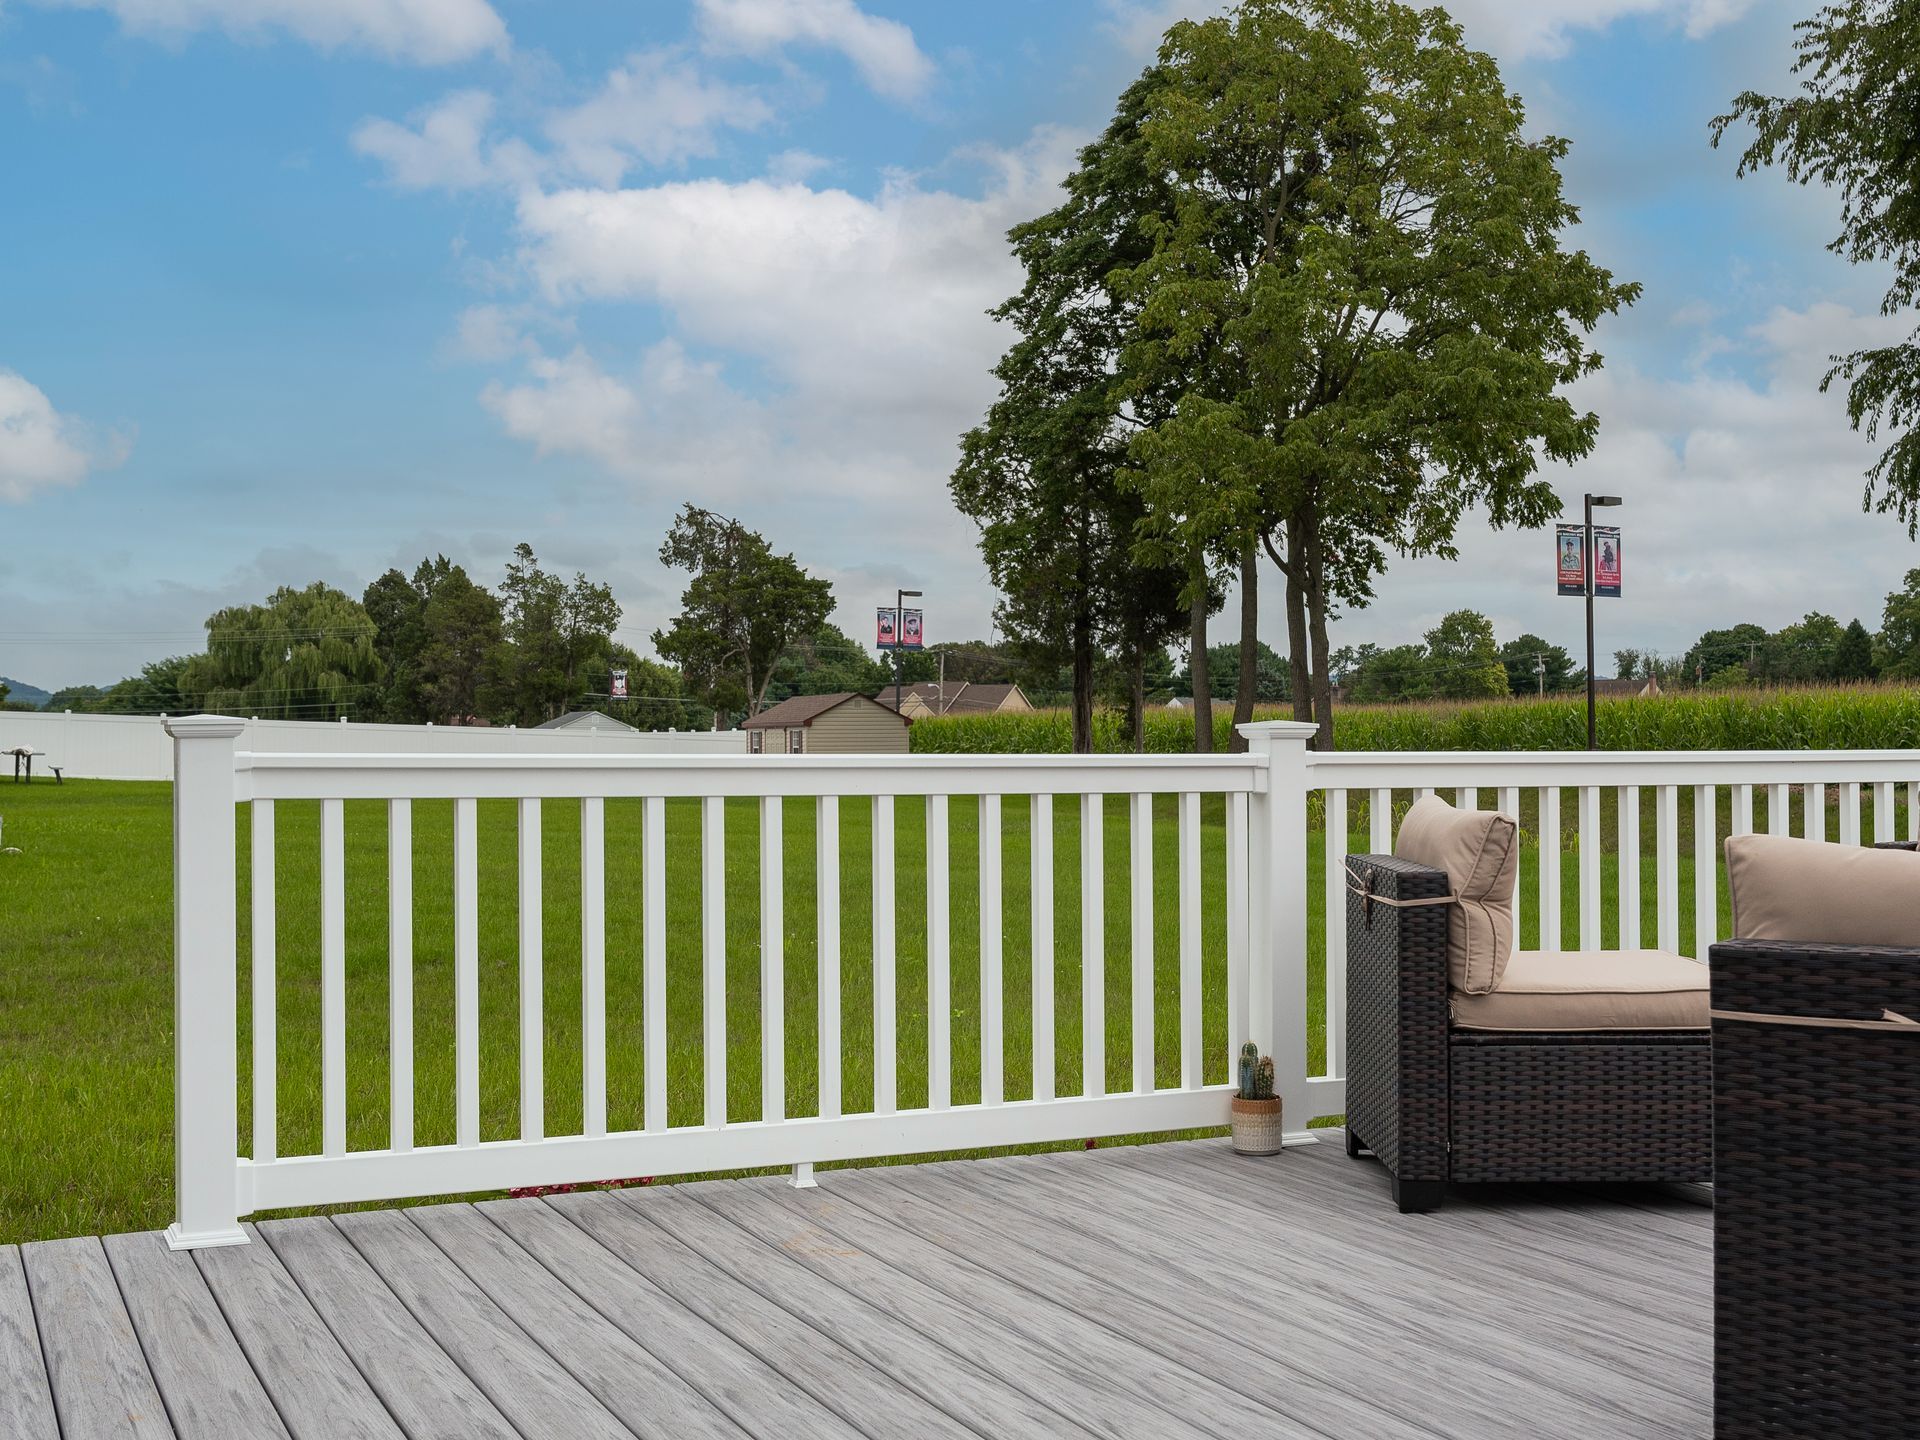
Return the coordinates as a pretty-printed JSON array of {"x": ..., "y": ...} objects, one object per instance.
[
  {"x": 538, "y": 1397},
  {"x": 814, "y": 1361},
  {"x": 315, "y": 1388},
  {"x": 427, "y": 1394},
  {"x": 1114, "y": 1358},
  {"x": 763, "y": 1213},
  {"x": 621, "y": 1374},
  {"x": 707, "y": 1357},
  {"x": 1297, "y": 1400},
  {"x": 918, "y": 1360},
  {"x": 1443, "y": 1325},
  {"x": 100, "y": 1381},
  {"x": 26, "y": 1399},
  {"x": 202, "y": 1374},
  {"x": 1169, "y": 1290}
]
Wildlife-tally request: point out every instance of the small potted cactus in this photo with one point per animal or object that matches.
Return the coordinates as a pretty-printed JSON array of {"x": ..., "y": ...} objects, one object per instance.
[{"x": 1256, "y": 1109}]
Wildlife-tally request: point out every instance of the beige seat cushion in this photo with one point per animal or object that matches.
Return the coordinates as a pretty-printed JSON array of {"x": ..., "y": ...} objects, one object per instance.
[
  {"x": 1591, "y": 990},
  {"x": 1478, "y": 850},
  {"x": 1786, "y": 889}
]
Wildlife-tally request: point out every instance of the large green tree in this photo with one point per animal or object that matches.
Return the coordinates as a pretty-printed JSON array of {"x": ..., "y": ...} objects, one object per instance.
[
  {"x": 1359, "y": 290},
  {"x": 1534, "y": 667},
  {"x": 825, "y": 663},
  {"x": 1463, "y": 658},
  {"x": 744, "y": 607},
  {"x": 1041, "y": 473},
  {"x": 557, "y": 636},
  {"x": 302, "y": 655},
  {"x": 1855, "y": 126},
  {"x": 1898, "y": 651}
]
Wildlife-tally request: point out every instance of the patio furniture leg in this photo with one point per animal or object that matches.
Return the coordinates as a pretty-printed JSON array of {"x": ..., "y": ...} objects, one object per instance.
[
  {"x": 1417, "y": 1197},
  {"x": 1356, "y": 1147}
]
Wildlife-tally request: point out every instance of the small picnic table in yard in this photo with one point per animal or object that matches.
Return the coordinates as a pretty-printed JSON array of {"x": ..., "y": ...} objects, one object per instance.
[{"x": 23, "y": 764}]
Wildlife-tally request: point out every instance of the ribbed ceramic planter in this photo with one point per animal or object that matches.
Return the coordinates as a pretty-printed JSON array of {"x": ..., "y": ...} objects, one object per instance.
[{"x": 1256, "y": 1126}]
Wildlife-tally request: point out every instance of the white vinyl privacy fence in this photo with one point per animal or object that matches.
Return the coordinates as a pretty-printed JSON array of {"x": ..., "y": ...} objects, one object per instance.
[
  {"x": 138, "y": 747},
  {"x": 567, "y": 968}
]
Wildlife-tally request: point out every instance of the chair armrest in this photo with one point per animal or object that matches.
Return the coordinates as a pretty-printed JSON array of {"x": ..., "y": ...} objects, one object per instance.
[
  {"x": 1807, "y": 978},
  {"x": 1398, "y": 1014}
]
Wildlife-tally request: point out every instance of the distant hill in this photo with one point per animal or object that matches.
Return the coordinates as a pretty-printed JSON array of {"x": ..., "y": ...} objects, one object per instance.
[{"x": 23, "y": 693}]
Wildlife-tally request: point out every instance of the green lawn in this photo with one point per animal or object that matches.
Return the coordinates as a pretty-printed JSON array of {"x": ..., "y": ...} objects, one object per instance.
[{"x": 85, "y": 971}]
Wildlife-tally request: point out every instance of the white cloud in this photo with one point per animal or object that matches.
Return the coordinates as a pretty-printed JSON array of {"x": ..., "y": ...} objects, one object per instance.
[
  {"x": 654, "y": 108},
  {"x": 795, "y": 166},
  {"x": 1742, "y": 499},
  {"x": 41, "y": 449},
  {"x": 1546, "y": 28},
  {"x": 442, "y": 147},
  {"x": 672, "y": 426},
  {"x": 875, "y": 304},
  {"x": 883, "y": 51},
  {"x": 1511, "y": 29},
  {"x": 429, "y": 32}
]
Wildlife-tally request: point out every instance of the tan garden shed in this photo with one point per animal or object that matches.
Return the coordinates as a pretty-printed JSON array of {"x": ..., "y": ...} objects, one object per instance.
[{"x": 842, "y": 724}]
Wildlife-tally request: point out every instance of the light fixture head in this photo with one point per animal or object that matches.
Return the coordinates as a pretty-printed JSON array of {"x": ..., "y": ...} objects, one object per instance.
[{"x": 1604, "y": 499}]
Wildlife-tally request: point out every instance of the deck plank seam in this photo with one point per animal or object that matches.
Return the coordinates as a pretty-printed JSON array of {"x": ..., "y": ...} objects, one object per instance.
[
  {"x": 487, "y": 1301},
  {"x": 226, "y": 1318},
  {"x": 146, "y": 1357},
  {"x": 691, "y": 1381},
  {"x": 819, "y": 1399},
  {"x": 892, "y": 1372},
  {"x": 265, "y": 1238},
  {"x": 40, "y": 1341},
  {"x": 1306, "y": 1424},
  {"x": 1520, "y": 1375}
]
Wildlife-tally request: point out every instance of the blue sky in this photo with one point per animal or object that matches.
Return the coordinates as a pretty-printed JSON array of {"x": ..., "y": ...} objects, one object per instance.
[{"x": 301, "y": 289}]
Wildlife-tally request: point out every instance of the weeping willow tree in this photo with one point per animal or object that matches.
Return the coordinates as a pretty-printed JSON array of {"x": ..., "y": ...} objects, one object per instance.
[{"x": 303, "y": 655}]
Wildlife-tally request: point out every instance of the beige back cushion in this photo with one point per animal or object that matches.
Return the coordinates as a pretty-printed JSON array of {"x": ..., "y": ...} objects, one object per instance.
[
  {"x": 1479, "y": 851},
  {"x": 1787, "y": 889}
]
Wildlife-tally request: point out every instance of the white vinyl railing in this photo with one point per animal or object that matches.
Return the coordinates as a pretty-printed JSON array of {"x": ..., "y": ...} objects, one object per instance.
[
  {"x": 1235, "y": 921},
  {"x": 1241, "y": 969}
]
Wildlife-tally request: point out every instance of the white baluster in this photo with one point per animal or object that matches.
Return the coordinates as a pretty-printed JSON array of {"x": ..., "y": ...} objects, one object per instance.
[
  {"x": 1192, "y": 1052},
  {"x": 532, "y": 980},
  {"x": 1590, "y": 929},
  {"x": 1336, "y": 930},
  {"x": 400, "y": 974},
  {"x": 1040, "y": 905},
  {"x": 265, "y": 988},
  {"x": 1509, "y": 805},
  {"x": 827, "y": 948},
  {"x": 773, "y": 1004},
  {"x": 466, "y": 972},
  {"x": 939, "y": 959},
  {"x": 1093, "y": 948},
  {"x": 1706, "y": 869},
  {"x": 593, "y": 965},
  {"x": 1632, "y": 934},
  {"x": 653, "y": 962},
  {"x": 1141, "y": 947},
  {"x": 885, "y": 1043},
  {"x": 333, "y": 978},
  {"x": 1666, "y": 840},
  {"x": 1550, "y": 867},
  {"x": 993, "y": 1061},
  {"x": 713, "y": 958}
]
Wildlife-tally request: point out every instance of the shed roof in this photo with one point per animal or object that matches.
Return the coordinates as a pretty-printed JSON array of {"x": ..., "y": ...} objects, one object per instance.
[
  {"x": 583, "y": 720},
  {"x": 805, "y": 709}
]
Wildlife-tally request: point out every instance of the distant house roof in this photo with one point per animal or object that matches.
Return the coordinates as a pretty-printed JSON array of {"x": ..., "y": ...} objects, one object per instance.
[
  {"x": 959, "y": 697},
  {"x": 803, "y": 710},
  {"x": 591, "y": 721}
]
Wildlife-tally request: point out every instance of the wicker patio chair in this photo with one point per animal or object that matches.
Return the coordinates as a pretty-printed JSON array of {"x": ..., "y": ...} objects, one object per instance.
[
  {"x": 1436, "y": 1103},
  {"x": 1816, "y": 1188}
]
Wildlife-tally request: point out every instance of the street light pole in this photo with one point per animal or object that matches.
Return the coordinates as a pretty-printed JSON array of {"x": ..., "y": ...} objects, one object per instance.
[
  {"x": 1591, "y": 559},
  {"x": 900, "y": 598}
]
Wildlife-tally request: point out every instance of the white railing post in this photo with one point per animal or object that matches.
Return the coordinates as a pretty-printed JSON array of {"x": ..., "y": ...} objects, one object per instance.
[
  {"x": 205, "y": 969},
  {"x": 1277, "y": 913}
]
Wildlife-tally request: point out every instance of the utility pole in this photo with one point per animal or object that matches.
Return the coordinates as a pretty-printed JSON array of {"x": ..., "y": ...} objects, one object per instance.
[
  {"x": 1540, "y": 672},
  {"x": 1592, "y": 559}
]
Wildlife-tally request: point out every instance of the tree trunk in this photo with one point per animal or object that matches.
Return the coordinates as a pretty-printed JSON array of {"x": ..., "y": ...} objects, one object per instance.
[
  {"x": 1082, "y": 684},
  {"x": 1298, "y": 673},
  {"x": 1317, "y": 620},
  {"x": 1137, "y": 697},
  {"x": 1249, "y": 683},
  {"x": 1197, "y": 664}
]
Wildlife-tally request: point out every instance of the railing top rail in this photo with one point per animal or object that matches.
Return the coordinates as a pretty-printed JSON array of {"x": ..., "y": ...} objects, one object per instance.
[
  {"x": 376, "y": 776},
  {"x": 1442, "y": 769}
]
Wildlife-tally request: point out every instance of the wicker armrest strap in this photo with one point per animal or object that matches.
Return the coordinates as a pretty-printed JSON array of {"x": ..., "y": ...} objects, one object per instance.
[
  {"x": 1366, "y": 893},
  {"x": 1892, "y": 1020}
]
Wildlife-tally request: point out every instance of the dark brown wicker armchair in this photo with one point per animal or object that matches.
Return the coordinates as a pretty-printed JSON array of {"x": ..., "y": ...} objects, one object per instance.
[
  {"x": 1816, "y": 1189},
  {"x": 1436, "y": 1104}
]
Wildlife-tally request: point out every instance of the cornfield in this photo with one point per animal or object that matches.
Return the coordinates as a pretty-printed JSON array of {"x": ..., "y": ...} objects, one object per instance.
[{"x": 1821, "y": 718}]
